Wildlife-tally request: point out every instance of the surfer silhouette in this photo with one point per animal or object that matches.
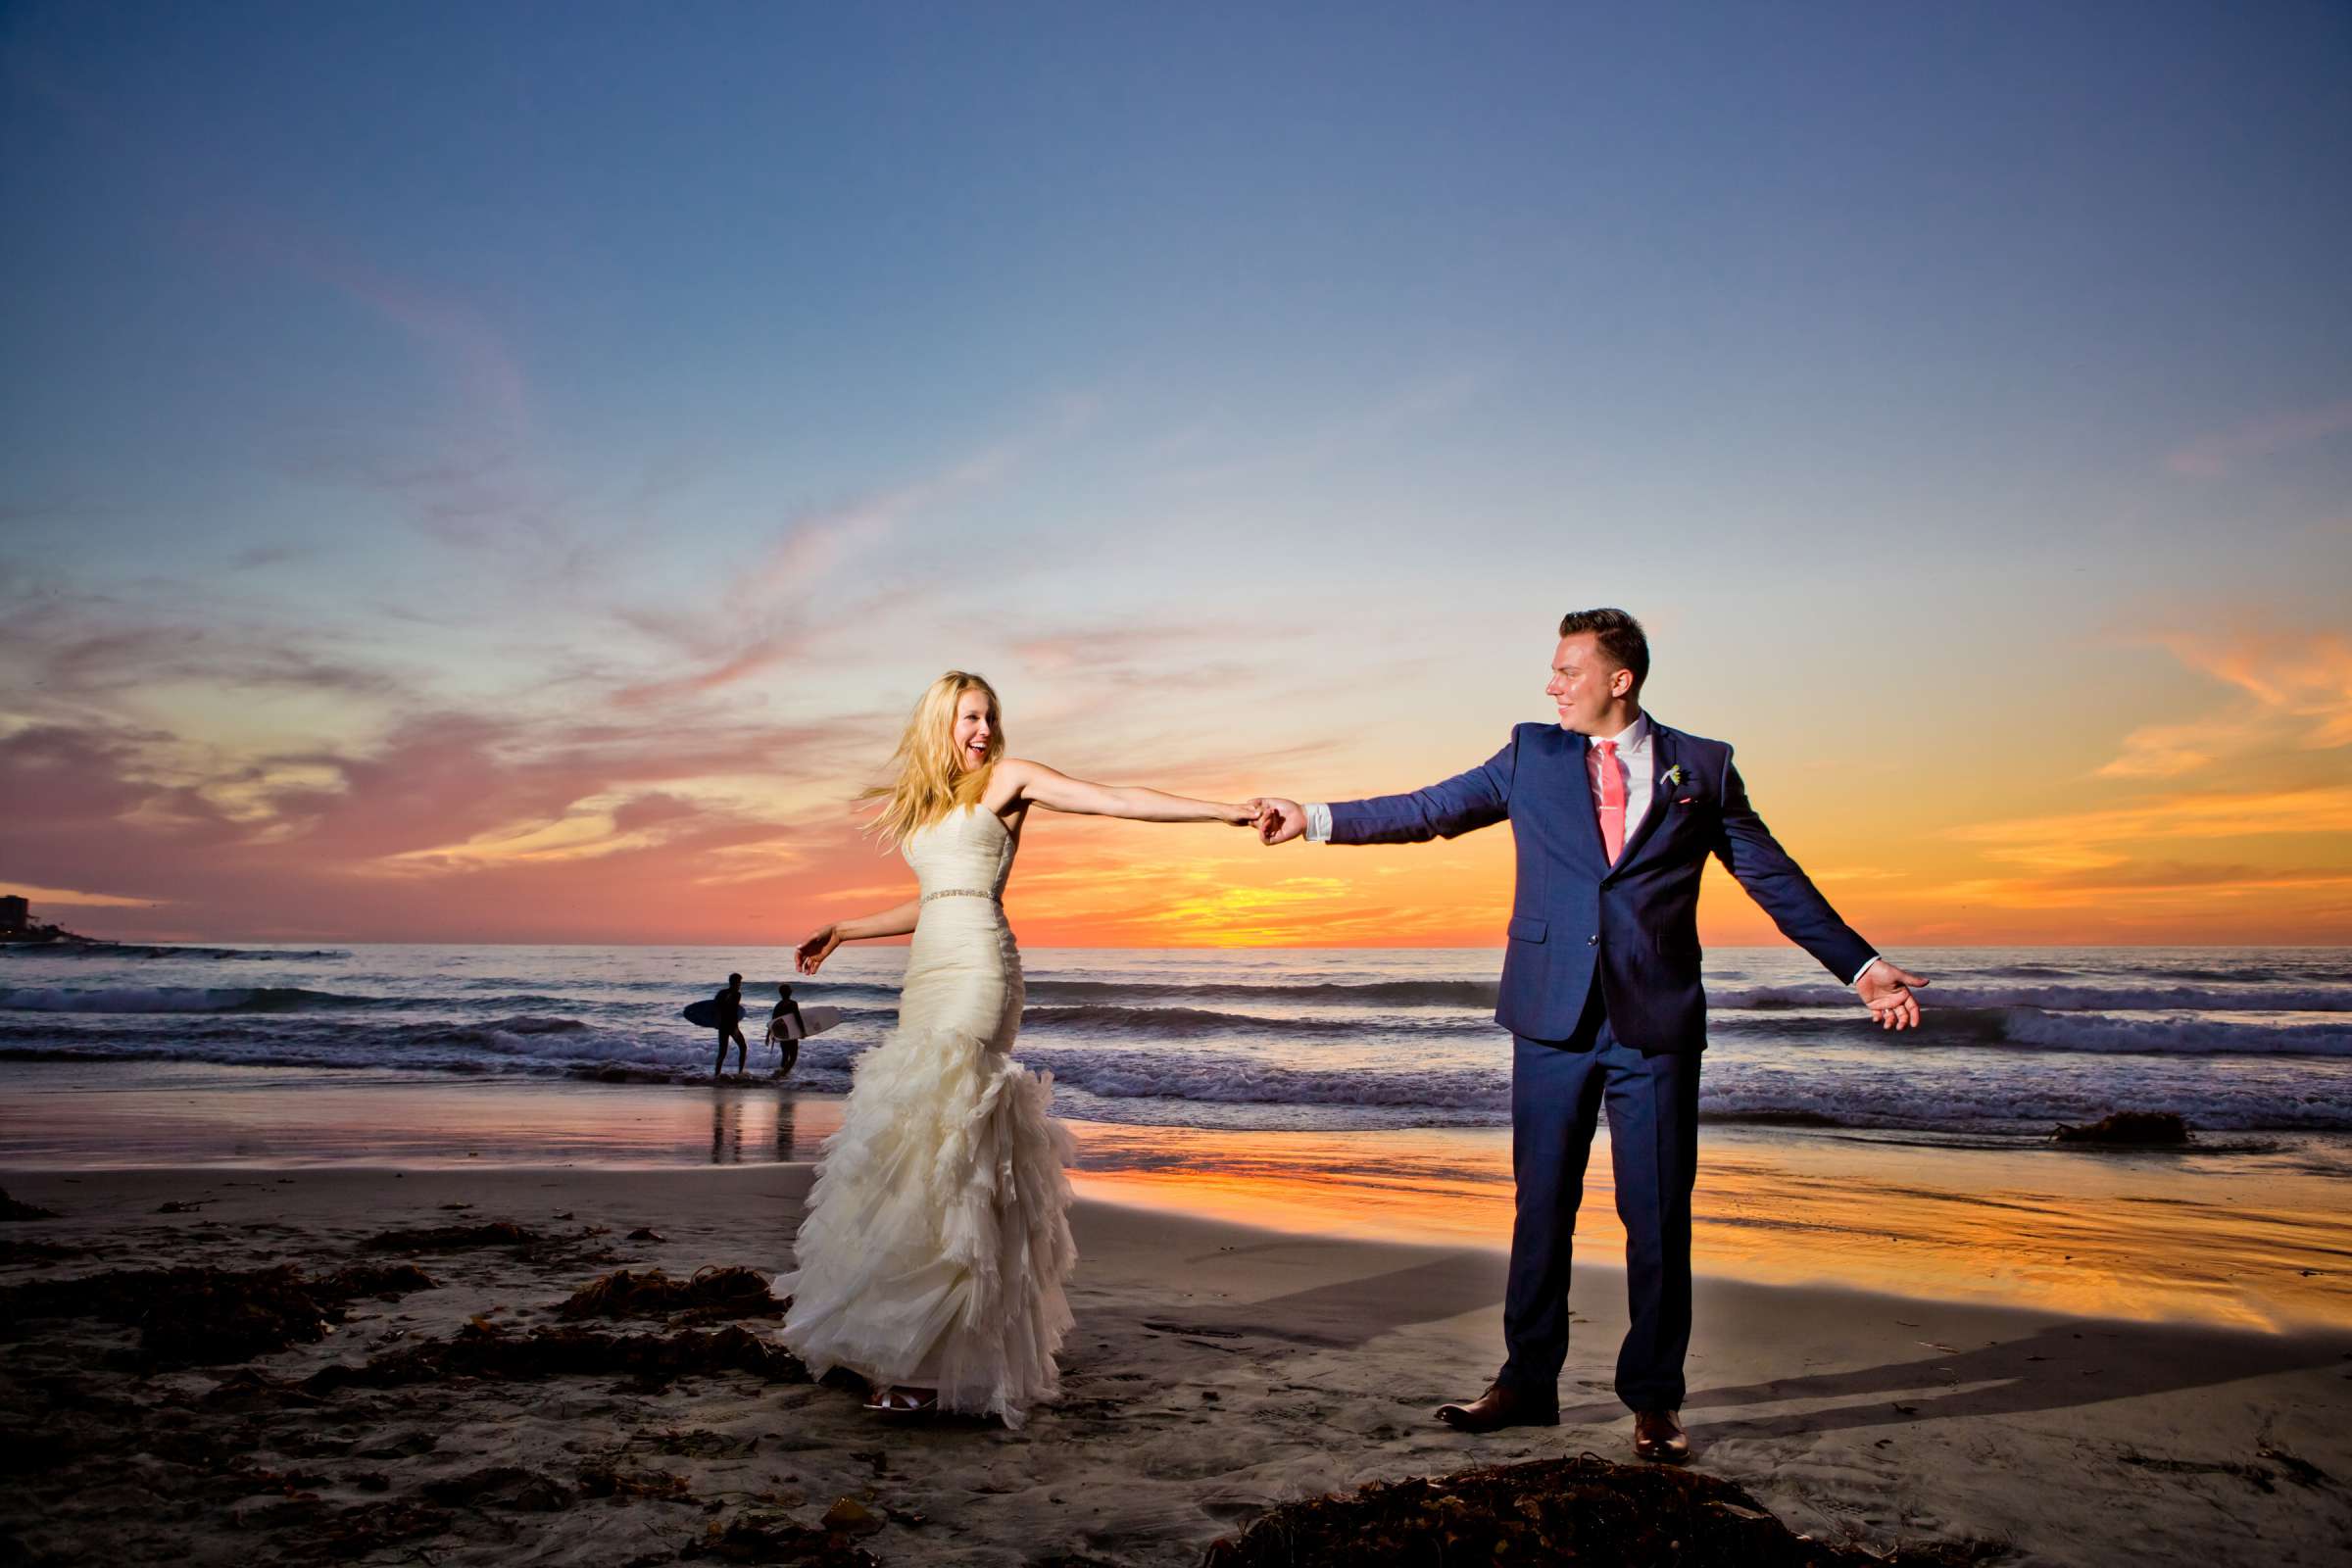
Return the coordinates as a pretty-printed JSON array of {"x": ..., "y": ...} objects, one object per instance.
[
  {"x": 785, "y": 1026},
  {"x": 728, "y": 1005}
]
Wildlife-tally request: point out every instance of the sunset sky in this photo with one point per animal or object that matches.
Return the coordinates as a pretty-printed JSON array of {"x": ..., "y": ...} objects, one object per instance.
[{"x": 503, "y": 473}]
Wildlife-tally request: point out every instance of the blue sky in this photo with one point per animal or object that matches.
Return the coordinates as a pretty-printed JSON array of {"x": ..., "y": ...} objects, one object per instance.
[{"x": 1238, "y": 382}]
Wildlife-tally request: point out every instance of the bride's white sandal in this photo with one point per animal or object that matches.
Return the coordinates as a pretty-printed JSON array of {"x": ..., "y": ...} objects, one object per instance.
[{"x": 903, "y": 1403}]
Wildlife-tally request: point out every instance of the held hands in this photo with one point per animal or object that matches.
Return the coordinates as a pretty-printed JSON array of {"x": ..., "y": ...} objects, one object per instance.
[
  {"x": 816, "y": 948},
  {"x": 1887, "y": 990},
  {"x": 1277, "y": 821}
]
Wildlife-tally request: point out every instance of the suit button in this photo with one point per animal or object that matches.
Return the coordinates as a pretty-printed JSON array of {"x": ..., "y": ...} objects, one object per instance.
[{"x": 1592, "y": 941}]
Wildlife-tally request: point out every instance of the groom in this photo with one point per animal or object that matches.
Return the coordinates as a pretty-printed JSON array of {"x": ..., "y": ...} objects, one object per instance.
[{"x": 1615, "y": 816}]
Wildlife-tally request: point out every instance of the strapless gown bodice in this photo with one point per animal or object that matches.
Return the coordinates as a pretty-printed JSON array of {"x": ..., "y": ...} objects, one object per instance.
[{"x": 966, "y": 851}]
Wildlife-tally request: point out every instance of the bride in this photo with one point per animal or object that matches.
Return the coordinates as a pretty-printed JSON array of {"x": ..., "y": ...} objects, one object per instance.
[{"x": 936, "y": 1242}]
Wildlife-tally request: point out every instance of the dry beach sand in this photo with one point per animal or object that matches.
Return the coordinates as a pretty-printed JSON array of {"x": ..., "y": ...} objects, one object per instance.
[{"x": 1215, "y": 1370}]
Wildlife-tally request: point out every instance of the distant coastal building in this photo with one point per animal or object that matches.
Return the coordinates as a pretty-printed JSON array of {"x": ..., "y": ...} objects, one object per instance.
[{"x": 16, "y": 924}]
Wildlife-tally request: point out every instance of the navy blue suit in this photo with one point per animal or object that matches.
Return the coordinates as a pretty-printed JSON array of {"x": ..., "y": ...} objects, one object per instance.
[{"x": 1600, "y": 989}]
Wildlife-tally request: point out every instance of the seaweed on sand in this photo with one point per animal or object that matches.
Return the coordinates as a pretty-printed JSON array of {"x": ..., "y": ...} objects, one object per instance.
[
  {"x": 503, "y": 1485},
  {"x": 654, "y": 1359},
  {"x": 2128, "y": 1129},
  {"x": 1584, "y": 1510},
  {"x": 386, "y": 1281},
  {"x": 779, "y": 1541},
  {"x": 14, "y": 1251},
  {"x": 195, "y": 1316},
  {"x": 453, "y": 1238},
  {"x": 714, "y": 1291},
  {"x": 599, "y": 1479},
  {"x": 340, "y": 1535}
]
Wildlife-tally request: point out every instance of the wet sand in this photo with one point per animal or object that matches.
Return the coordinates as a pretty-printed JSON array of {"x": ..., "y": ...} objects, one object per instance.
[
  {"x": 1215, "y": 1370},
  {"x": 2242, "y": 1231}
]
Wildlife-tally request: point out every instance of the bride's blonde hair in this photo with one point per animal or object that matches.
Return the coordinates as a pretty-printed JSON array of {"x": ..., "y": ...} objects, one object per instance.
[{"x": 926, "y": 785}]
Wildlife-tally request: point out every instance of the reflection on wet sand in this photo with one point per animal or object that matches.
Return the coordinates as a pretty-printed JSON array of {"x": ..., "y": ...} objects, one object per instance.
[
  {"x": 2249, "y": 1239},
  {"x": 231, "y": 1116},
  {"x": 727, "y": 1128},
  {"x": 770, "y": 1121},
  {"x": 2250, "y": 1236}
]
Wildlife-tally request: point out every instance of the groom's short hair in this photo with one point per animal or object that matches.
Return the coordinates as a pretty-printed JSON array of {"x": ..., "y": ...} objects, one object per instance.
[{"x": 1618, "y": 635}]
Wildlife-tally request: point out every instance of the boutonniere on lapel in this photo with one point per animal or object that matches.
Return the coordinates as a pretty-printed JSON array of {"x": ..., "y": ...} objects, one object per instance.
[{"x": 1674, "y": 776}]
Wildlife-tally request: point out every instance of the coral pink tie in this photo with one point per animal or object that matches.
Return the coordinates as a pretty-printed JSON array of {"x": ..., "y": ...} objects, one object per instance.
[{"x": 1612, "y": 800}]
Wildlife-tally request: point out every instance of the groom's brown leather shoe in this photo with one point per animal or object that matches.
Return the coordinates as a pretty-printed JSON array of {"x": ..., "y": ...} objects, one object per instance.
[
  {"x": 1501, "y": 1405},
  {"x": 1659, "y": 1434}
]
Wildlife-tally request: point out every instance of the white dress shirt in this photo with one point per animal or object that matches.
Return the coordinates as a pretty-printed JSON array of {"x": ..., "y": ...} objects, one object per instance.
[{"x": 1633, "y": 764}]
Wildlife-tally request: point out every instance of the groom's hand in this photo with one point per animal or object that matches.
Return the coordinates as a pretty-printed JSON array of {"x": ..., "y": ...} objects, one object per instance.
[
  {"x": 1278, "y": 820},
  {"x": 1887, "y": 990}
]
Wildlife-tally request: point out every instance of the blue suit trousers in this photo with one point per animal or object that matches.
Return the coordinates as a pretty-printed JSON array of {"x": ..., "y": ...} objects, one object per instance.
[{"x": 1557, "y": 1090}]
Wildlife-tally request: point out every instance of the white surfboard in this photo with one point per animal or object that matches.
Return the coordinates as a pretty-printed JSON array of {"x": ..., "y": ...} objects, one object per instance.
[{"x": 811, "y": 1021}]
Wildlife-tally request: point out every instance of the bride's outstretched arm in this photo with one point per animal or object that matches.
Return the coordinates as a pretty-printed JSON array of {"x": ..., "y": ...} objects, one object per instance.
[
  {"x": 1018, "y": 780},
  {"x": 819, "y": 946}
]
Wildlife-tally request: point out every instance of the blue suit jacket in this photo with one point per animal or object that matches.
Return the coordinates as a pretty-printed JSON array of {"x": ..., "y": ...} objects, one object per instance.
[{"x": 1632, "y": 928}]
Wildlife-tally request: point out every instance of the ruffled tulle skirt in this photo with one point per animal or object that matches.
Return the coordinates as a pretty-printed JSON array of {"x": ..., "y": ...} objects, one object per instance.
[{"x": 936, "y": 1246}]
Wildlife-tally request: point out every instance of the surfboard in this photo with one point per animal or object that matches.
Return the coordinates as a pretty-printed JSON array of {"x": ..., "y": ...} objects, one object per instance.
[
  {"x": 703, "y": 1014},
  {"x": 814, "y": 1022}
]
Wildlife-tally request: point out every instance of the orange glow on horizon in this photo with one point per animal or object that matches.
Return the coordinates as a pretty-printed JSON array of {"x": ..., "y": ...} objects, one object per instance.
[{"x": 1914, "y": 852}]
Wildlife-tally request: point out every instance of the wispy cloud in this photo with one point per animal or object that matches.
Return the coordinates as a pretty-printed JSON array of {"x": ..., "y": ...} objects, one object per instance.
[
  {"x": 2211, "y": 456},
  {"x": 258, "y": 558},
  {"x": 1116, "y": 653},
  {"x": 40, "y": 899},
  {"x": 796, "y": 631},
  {"x": 813, "y": 545},
  {"x": 1416, "y": 403},
  {"x": 478, "y": 487},
  {"x": 2169, "y": 890},
  {"x": 2295, "y": 695},
  {"x": 478, "y": 822},
  {"x": 72, "y": 648},
  {"x": 2168, "y": 750},
  {"x": 2098, "y": 837},
  {"x": 780, "y": 597}
]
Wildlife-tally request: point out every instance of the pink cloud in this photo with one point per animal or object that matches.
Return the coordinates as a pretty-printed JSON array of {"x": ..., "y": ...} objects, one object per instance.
[
  {"x": 73, "y": 648},
  {"x": 2209, "y": 456},
  {"x": 759, "y": 655},
  {"x": 106, "y": 809},
  {"x": 653, "y": 809},
  {"x": 780, "y": 595}
]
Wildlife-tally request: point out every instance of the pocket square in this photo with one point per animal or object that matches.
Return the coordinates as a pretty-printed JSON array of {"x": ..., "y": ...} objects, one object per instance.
[{"x": 1685, "y": 799}]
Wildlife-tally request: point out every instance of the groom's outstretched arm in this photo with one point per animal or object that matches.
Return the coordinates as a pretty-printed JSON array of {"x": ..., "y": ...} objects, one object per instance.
[
  {"x": 1476, "y": 799},
  {"x": 1749, "y": 851},
  {"x": 1751, "y": 854}
]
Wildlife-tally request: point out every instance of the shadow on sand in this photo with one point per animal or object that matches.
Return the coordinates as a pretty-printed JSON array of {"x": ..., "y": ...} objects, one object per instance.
[{"x": 2036, "y": 1367}]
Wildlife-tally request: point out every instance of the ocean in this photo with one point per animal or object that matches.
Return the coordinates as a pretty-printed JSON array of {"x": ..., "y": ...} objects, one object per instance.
[{"x": 2239, "y": 1041}]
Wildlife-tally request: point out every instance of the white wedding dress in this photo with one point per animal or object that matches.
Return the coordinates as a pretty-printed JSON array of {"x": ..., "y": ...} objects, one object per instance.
[{"x": 937, "y": 1238}]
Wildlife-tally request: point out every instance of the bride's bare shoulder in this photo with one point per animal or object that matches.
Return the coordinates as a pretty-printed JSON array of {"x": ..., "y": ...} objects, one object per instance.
[
  {"x": 1022, "y": 771},
  {"x": 1009, "y": 780}
]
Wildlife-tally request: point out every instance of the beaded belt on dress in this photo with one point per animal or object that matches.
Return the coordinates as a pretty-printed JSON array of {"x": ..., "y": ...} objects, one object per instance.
[{"x": 959, "y": 893}]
